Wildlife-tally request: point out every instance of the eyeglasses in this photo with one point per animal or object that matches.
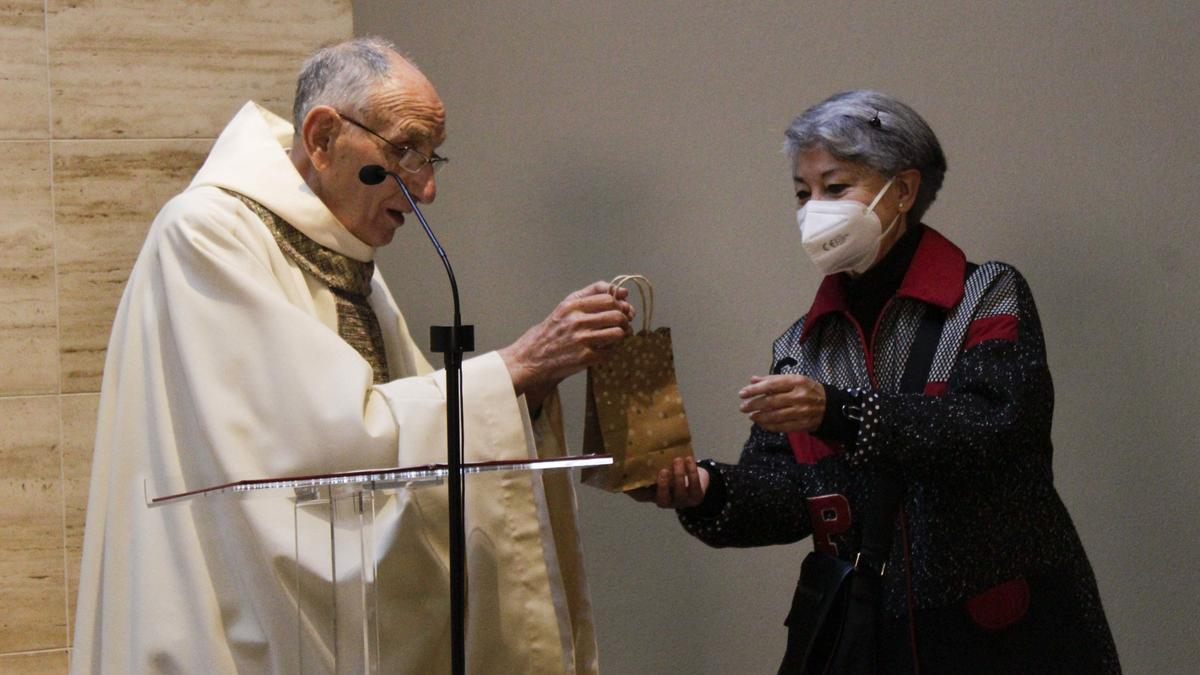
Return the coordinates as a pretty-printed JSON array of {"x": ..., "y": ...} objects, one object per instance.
[{"x": 406, "y": 158}]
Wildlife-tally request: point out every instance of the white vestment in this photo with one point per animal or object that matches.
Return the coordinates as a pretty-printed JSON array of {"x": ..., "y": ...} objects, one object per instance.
[{"x": 225, "y": 364}]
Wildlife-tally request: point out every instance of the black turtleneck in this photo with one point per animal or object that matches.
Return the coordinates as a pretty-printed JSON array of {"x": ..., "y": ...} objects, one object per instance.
[{"x": 866, "y": 296}]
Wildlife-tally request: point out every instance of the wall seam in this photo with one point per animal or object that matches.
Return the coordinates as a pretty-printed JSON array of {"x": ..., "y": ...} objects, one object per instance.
[
  {"x": 101, "y": 139},
  {"x": 11, "y": 397},
  {"x": 35, "y": 652},
  {"x": 62, "y": 473}
]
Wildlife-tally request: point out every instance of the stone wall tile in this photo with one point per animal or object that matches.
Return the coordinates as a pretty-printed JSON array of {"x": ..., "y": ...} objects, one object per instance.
[
  {"x": 155, "y": 69},
  {"x": 32, "y": 590},
  {"x": 25, "y": 106},
  {"x": 106, "y": 195},
  {"x": 28, "y": 324}
]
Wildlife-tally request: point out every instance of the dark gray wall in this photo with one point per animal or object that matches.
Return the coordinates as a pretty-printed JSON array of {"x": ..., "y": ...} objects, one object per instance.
[{"x": 591, "y": 139}]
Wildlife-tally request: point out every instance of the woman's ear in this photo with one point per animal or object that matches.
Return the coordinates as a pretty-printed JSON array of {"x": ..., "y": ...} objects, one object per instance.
[
  {"x": 320, "y": 130},
  {"x": 907, "y": 184}
]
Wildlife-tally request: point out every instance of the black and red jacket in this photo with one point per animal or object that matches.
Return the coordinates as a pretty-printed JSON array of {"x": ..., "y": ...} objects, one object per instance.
[{"x": 980, "y": 512}]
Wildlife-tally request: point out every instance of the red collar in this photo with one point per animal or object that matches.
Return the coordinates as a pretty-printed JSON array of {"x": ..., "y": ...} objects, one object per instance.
[{"x": 936, "y": 276}]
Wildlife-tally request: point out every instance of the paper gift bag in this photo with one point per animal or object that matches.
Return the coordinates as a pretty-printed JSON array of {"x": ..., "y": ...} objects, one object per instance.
[{"x": 634, "y": 409}]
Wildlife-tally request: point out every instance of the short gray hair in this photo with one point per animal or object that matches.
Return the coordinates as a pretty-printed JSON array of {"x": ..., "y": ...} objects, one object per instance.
[
  {"x": 342, "y": 76},
  {"x": 877, "y": 130}
]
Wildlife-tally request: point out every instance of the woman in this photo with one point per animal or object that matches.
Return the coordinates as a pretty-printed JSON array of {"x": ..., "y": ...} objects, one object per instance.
[{"x": 926, "y": 374}]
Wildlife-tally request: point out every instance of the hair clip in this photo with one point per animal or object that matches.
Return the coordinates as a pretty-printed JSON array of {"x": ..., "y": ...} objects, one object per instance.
[{"x": 874, "y": 121}]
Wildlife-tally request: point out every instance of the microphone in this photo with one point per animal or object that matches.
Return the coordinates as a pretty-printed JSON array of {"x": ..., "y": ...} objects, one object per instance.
[{"x": 372, "y": 174}]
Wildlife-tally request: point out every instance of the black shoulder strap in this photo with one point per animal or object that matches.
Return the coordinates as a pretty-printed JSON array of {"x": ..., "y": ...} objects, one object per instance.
[
  {"x": 929, "y": 333},
  {"x": 886, "y": 491},
  {"x": 920, "y": 357}
]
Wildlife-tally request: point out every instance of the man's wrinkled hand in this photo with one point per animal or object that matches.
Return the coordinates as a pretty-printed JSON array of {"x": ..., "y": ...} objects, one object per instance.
[{"x": 579, "y": 333}]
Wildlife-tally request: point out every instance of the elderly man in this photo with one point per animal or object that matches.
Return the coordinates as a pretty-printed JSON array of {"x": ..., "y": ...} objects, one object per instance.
[{"x": 255, "y": 338}]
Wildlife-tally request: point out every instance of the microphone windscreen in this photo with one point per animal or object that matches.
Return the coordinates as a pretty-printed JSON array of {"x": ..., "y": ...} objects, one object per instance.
[{"x": 372, "y": 174}]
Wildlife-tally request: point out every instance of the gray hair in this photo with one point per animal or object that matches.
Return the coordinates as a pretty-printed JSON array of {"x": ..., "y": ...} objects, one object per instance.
[
  {"x": 342, "y": 76},
  {"x": 877, "y": 130}
]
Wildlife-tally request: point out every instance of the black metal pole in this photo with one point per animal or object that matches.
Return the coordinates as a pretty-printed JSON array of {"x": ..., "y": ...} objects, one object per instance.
[{"x": 458, "y": 546}]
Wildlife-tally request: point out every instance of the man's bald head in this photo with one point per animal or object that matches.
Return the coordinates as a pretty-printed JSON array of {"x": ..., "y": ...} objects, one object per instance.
[{"x": 363, "y": 75}]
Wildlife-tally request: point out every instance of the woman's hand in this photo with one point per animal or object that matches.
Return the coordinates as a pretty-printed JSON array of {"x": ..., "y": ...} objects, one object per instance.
[
  {"x": 679, "y": 487},
  {"x": 784, "y": 403}
]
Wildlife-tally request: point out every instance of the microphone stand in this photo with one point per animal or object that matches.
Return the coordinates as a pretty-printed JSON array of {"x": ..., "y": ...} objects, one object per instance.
[{"x": 452, "y": 342}]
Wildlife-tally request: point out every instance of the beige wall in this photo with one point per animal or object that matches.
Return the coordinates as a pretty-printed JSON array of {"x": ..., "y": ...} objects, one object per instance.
[
  {"x": 107, "y": 108},
  {"x": 593, "y": 138}
]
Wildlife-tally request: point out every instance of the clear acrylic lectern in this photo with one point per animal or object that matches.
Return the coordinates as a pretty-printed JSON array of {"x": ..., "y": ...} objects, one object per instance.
[{"x": 339, "y": 521}]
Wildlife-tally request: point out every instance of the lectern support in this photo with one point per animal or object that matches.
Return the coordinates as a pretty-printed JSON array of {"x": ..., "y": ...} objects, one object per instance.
[{"x": 452, "y": 341}]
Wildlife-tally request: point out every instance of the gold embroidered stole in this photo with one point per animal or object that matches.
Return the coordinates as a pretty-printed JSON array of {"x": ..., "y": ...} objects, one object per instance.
[{"x": 347, "y": 278}]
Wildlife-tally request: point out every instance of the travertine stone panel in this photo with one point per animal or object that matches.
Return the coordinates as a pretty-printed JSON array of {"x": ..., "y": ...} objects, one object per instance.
[
  {"x": 31, "y": 528},
  {"x": 106, "y": 195},
  {"x": 28, "y": 331},
  {"x": 78, "y": 435},
  {"x": 155, "y": 69},
  {"x": 25, "y": 105},
  {"x": 42, "y": 663}
]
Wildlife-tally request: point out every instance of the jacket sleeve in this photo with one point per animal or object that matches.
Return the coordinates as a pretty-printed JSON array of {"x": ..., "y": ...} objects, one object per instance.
[
  {"x": 997, "y": 404},
  {"x": 762, "y": 501}
]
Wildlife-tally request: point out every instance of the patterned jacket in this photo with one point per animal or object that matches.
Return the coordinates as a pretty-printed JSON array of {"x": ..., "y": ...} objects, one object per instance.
[{"x": 973, "y": 451}]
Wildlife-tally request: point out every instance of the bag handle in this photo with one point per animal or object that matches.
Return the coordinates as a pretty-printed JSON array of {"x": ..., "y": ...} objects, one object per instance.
[{"x": 644, "y": 289}]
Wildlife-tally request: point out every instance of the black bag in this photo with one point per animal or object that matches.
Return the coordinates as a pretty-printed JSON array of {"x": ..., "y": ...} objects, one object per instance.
[
  {"x": 832, "y": 622},
  {"x": 818, "y": 605}
]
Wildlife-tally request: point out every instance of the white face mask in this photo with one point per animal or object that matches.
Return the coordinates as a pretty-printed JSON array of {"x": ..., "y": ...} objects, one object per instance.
[{"x": 842, "y": 235}]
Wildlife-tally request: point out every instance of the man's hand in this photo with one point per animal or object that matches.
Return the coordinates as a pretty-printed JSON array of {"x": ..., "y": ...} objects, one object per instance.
[
  {"x": 679, "y": 487},
  {"x": 784, "y": 402},
  {"x": 577, "y": 334}
]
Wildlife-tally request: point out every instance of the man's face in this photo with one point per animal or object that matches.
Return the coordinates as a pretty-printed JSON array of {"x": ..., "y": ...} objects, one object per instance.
[{"x": 407, "y": 112}]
